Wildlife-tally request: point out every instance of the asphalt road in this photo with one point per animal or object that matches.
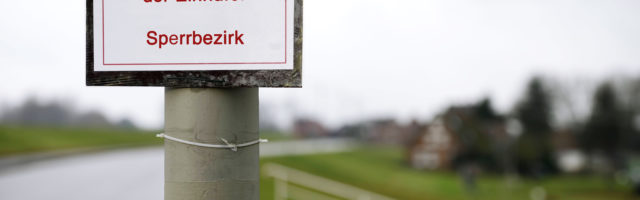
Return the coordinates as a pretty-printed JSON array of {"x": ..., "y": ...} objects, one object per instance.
[
  {"x": 131, "y": 174},
  {"x": 136, "y": 174}
]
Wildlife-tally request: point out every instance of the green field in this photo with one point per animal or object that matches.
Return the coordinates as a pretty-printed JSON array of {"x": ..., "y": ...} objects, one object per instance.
[
  {"x": 16, "y": 140},
  {"x": 19, "y": 140},
  {"x": 378, "y": 169},
  {"x": 383, "y": 171}
]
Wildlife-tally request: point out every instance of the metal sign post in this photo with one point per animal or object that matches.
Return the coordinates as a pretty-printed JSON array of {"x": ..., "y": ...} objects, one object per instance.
[
  {"x": 210, "y": 116},
  {"x": 211, "y": 56}
]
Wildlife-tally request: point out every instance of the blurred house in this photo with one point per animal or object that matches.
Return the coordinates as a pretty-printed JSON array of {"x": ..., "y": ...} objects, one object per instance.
[
  {"x": 568, "y": 155},
  {"x": 434, "y": 148},
  {"x": 382, "y": 131},
  {"x": 355, "y": 131},
  {"x": 460, "y": 136},
  {"x": 307, "y": 128},
  {"x": 388, "y": 132}
]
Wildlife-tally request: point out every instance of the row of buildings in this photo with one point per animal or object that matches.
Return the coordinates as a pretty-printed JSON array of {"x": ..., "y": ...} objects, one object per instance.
[{"x": 455, "y": 137}]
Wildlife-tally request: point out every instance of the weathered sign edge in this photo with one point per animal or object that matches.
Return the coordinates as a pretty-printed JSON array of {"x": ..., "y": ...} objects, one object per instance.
[{"x": 198, "y": 79}]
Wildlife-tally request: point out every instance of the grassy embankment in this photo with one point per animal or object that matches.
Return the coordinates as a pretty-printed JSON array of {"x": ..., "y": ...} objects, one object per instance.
[
  {"x": 383, "y": 171},
  {"x": 16, "y": 140}
]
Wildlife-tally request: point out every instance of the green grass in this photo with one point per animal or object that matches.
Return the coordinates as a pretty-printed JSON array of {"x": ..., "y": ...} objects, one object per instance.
[
  {"x": 19, "y": 140},
  {"x": 382, "y": 170}
]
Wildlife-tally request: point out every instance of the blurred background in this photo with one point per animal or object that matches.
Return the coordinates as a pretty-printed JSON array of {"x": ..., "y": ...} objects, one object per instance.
[{"x": 404, "y": 99}]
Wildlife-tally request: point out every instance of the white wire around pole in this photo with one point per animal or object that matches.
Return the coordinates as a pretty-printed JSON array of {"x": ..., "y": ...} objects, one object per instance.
[{"x": 227, "y": 145}]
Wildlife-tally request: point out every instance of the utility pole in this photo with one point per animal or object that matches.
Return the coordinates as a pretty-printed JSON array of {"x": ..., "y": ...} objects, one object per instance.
[{"x": 207, "y": 116}]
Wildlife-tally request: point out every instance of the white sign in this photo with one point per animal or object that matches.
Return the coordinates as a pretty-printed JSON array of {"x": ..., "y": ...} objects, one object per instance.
[{"x": 177, "y": 35}]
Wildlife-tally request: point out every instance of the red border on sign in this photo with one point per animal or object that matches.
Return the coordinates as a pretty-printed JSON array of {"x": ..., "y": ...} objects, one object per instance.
[{"x": 227, "y": 63}]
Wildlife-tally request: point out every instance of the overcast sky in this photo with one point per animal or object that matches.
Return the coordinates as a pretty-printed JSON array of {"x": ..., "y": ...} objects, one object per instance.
[{"x": 362, "y": 58}]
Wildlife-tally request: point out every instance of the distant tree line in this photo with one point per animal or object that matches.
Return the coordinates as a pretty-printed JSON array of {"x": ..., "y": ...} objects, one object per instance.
[
  {"x": 57, "y": 113},
  {"x": 610, "y": 131},
  {"x": 607, "y": 132}
]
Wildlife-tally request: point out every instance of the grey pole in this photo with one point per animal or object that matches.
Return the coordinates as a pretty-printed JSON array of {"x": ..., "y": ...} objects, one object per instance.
[{"x": 205, "y": 116}]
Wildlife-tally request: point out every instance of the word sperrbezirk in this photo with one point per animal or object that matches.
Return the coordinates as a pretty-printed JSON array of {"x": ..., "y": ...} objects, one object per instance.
[{"x": 194, "y": 38}]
